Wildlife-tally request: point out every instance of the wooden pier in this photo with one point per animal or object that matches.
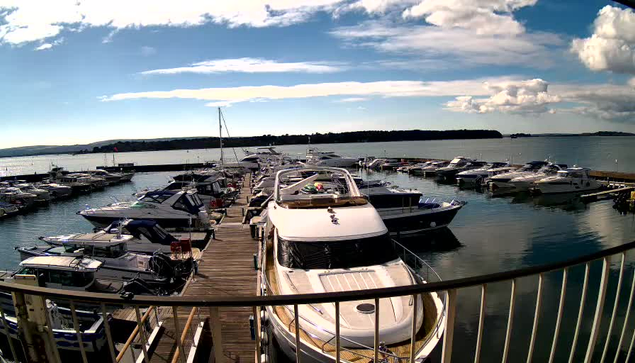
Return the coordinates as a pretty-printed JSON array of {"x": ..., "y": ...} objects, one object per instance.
[{"x": 225, "y": 269}]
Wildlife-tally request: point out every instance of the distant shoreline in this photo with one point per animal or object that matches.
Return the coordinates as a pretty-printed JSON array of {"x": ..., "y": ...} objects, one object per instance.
[{"x": 202, "y": 143}]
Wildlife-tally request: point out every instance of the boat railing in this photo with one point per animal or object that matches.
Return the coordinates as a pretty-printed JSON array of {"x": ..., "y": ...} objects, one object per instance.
[{"x": 592, "y": 334}]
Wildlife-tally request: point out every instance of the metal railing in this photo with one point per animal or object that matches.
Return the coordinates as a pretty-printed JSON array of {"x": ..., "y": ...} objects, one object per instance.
[{"x": 40, "y": 343}]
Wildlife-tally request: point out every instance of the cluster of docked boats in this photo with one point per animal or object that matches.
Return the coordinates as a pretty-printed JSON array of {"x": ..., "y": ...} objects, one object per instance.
[
  {"x": 541, "y": 177},
  {"x": 322, "y": 229},
  {"x": 17, "y": 196}
]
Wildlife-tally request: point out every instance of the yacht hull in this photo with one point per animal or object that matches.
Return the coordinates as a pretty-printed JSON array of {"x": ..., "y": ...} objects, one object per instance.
[
  {"x": 405, "y": 221},
  {"x": 565, "y": 188}
]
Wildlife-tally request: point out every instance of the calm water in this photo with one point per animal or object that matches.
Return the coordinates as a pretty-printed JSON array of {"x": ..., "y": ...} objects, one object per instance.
[
  {"x": 488, "y": 235},
  {"x": 598, "y": 153}
]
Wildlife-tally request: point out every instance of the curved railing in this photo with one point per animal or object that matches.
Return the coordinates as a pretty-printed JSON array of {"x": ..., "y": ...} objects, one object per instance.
[{"x": 449, "y": 287}]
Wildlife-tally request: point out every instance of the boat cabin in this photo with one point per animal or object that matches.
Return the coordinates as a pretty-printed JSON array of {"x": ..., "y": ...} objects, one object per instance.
[
  {"x": 61, "y": 272},
  {"x": 185, "y": 201}
]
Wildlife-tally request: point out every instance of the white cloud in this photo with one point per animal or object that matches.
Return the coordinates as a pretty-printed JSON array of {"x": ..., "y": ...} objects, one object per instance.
[
  {"x": 611, "y": 47},
  {"x": 359, "y": 89},
  {"x": 44, "y": 46},
  {"x": 353, "y": 99},
  {"x": 375, "y": 7},
  {"x": 453, "y": 44},
  {"x": 481, "y": 16},
  {"x": 526, "y": 97},
  {"x": 33, "y": 20},
  {"x": 250, "y": 65},
  {"x": 606, "y": 102}
]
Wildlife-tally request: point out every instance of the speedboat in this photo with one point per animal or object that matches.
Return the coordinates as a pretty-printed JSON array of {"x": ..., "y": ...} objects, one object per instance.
[
  {"x": 210, "y": 185},
  {"x": 110, "y": 178},
  {"x": 17, "y": 196},
  {"x": 329, "y": 158},
  {"x": 76, "y": 273},
  {"x": 118, "y": 263},
  {"x": 139, "y": 235},
  {"x": 501, "y": 182},
  {"x": 448, "y": 173},
  {"x": 431, "y": 169},
  {"x": 8, "y": 210},
  {"x": 334, "y": 241},
  {"x": 473, "y": 178},
  {"x": 574, "y": 179},
  {"x": 56, "y": 191},
  {"x": 42, "y": 195},
  {"x": 417, "y": 169},
  {"x": 390, "y": 164},
  {"x": 79, "y": 183},
  {"x": 525, "y": 182},
  {"x": 183, "y": 209},
  {"x": 404, "y": 211}
]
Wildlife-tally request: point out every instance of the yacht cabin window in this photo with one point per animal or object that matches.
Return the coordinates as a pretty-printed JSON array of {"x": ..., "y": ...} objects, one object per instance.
[{"x": 336, "y": 254}]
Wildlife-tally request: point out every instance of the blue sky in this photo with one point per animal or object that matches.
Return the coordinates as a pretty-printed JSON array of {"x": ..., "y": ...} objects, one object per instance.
[{"x": 85, "y": 70}]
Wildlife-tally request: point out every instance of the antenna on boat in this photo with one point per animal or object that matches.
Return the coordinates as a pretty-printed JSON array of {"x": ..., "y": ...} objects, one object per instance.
[{"x": 220, "y": 136}]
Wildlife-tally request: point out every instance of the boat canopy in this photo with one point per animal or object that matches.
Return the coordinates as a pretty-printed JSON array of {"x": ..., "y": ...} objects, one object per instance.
[
  {"x": 149, "y": 229},
  {"x": 66, "y": 263}
]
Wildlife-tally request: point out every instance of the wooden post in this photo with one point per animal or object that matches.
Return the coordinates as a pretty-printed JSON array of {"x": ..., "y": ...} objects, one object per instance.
[
  {"x": 36, "y": 343},
  {"x": 217, "y": 338}
]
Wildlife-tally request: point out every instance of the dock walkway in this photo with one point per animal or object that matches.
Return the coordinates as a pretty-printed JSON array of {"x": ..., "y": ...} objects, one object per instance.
[{"x": 226, "y": 269}]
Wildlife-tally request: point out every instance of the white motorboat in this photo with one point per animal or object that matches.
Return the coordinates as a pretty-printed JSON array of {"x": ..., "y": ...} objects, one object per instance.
[
  {"x": 502, "y": 181},
  {"x": 156, "y": 269},
  {"x": 78, "y": 183},
  {"x": 140, "y": 235},
  {"x": 335, "y": 241},
  {"x": 524, "y": 183},
  {"x": 329, "y": 158},
  {"x": 210, "y": 185},
  {"x": 475, "y": 177},
  {"x": 431, "y": 169},
  {"x": 8, "y": 210},
  {"x": 56, "y": 191},
  {"x": 110, "y": 178},
  {"x": 41, "y": 194},
  {"x": 570, "y": 180},
  {"x": 458, "y": 164},
  {"x": 170, "y": 209},
  {"x": 404, "y": 211},
  {"x": 16, "y": 195}
]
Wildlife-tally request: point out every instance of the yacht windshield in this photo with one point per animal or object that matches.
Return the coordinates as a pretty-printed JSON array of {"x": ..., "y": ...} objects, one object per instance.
[{"x": 337, "y": 254}]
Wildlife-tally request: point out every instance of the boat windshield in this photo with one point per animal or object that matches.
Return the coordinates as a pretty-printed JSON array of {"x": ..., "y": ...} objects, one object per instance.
[{"x": 336, "y": 254}]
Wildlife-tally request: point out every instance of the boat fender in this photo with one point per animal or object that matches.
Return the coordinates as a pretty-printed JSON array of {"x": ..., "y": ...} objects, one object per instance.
[
  {"x": 264, "y": 338},
  {"x": 264, "y": 318},
  {"x": 433, "y": 224},
  {"x": 263, "y": 358}
]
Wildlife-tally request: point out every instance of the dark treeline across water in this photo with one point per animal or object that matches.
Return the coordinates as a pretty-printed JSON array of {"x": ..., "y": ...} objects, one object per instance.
[{"x": 316, "y": 138}]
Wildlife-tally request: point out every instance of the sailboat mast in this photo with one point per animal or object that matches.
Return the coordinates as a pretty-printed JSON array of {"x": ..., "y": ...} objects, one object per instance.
[{"x": 220, "y": 134}]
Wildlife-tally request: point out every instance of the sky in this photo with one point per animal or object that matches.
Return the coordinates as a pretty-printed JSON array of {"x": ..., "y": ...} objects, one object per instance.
[{"x": 79, "y": 71}]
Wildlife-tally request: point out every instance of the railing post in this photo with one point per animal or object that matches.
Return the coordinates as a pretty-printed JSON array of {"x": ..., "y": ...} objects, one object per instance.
[
  {"x": 481, "y": 320},
  {"x": 413, "y": 330},
  {"x": 38, "y": 347},
  {"x": 615, "y": 305},
  {"x": 585, "y": 284},
  {"x": 450, "y": 311},
  {"x": 595, "y": 330},
  {"x": 628, "y": 313},
  {"x": 78, "y": 332},
  {"x": 109, "y": 341},
  {"x": 534, "y": 329},
  {"x": 337, "y": 332},
  {"x": 376, "y": 337},
  {"x": 556, "y": 333},
  {"x": 144, "y": 343},
  {"x": 217, "y": 337},
  {"x": 298, "y": 346},
  {"x": 510, "y": 320},
  {"x": 257, "y": 329}
]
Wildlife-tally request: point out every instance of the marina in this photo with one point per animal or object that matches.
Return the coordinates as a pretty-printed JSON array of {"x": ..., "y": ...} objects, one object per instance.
[{"x": 230, "y": 262}]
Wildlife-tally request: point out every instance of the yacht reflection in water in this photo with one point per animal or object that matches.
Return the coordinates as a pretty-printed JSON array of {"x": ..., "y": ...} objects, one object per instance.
[{"x": 442, "y": 239}]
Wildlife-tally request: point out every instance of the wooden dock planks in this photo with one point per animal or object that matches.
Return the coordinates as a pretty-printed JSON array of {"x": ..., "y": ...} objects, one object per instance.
[{"x": 226, "y": 269}]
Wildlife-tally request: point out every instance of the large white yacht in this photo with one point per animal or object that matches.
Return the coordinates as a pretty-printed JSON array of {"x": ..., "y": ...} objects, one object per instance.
[
  {"x": 329, "y": 158},
  {"x": 501, "y": 182},
  {"x": 474, "y": 177},
  {"x": 169, "y": 208},
  {"x": 574, "y": 179},
  {"x": 335, "y": 241}
]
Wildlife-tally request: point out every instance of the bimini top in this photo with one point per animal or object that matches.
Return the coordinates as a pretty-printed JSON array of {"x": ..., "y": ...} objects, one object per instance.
[{"x": 64, "y": 263}]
